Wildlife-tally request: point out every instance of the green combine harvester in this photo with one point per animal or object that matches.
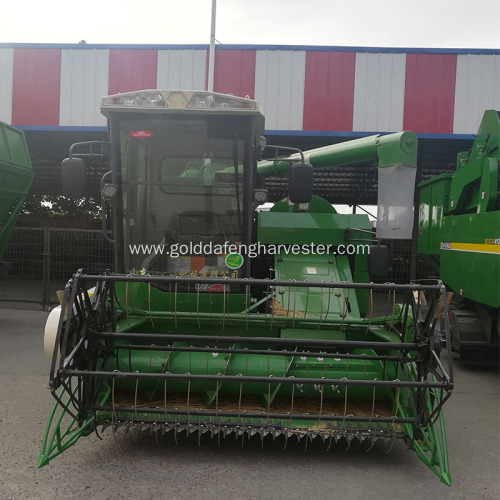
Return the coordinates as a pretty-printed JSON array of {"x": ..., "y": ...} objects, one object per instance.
[
  {"x": 459, "y": 231},
  {"x": 16, "y": 176},
  {"x": 219, "y": 319}
]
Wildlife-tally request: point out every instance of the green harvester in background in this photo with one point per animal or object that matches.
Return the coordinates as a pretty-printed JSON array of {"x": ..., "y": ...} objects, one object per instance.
[
  {"x": 16, "y": 176},
  {"x": 459, "y": 230}
]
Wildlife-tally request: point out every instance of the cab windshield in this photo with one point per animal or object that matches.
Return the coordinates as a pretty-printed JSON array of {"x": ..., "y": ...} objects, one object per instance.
[{"x": 182, "y": 190}]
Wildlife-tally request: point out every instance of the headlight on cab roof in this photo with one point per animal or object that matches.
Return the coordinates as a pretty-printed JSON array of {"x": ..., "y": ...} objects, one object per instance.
[
  {"x": 204, "y": 100},
  {"x": 143, "y": 99}
]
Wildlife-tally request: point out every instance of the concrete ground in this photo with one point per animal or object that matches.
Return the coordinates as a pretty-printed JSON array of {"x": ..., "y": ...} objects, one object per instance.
[{"x": 131, "y": 467}]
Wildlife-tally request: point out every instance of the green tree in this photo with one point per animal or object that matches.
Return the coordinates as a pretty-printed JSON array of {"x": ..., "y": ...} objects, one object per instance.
[{"x": 60, "y": 207}]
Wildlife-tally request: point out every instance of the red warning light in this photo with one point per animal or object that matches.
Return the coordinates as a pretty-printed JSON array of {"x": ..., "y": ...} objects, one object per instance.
[{"x": 141, "y": 134}]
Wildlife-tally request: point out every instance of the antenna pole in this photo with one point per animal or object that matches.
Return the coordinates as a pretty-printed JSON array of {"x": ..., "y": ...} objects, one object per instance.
[{"x": 211, "y": 54}]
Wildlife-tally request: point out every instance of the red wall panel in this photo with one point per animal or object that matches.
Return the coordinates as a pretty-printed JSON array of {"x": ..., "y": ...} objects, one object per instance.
[
  {"x": 131, "y": 69},
  {"x": 235, "y": 72},
  {"x": 430, "y": 93},
  {"x": 329, "y": 91},
  {"x": 36, "y": 86}
]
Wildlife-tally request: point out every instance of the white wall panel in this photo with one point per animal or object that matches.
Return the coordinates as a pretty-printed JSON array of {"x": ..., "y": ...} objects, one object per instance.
[
  {"x": 379, "y": 91},
  {"x": 84, "y": 80},
  {"x": 6, "y": 79},
  {"x": 182, "y": 69},
  {"x": 279, "y": 87},
  {"x": 477, "y": 89}
]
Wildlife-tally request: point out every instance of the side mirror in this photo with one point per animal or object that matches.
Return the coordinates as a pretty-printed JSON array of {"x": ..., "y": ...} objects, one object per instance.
[
  {"x": 378, "y": 262},
  {"x": 73, "y": 178},
  {"x": 300, "y": 187}
]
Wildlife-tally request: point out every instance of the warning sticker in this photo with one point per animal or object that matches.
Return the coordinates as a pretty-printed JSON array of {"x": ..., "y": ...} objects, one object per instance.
[
  {"x": 141, "y": 134},
  {"x": 311, "y": 270}
]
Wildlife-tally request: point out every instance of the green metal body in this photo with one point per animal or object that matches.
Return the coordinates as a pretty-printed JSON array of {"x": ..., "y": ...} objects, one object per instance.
[
  {"x": 459, "y": 229},
  {"x": 302, "y": 354},
  {"x": 320, "y": 226},
  {"x": 16, "y": 175}
]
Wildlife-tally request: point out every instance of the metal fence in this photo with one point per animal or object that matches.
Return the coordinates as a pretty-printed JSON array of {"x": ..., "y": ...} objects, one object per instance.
[
  {"x": 406, "y": 264},
  {"x": 41, "y": 260}
]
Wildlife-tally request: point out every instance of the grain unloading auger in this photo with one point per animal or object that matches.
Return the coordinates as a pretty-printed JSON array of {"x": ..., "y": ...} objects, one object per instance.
[{"x": 283, "y": 339}]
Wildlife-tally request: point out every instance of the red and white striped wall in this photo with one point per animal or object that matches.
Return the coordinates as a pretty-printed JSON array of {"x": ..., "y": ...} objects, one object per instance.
[{"x": 308, "y": 89}]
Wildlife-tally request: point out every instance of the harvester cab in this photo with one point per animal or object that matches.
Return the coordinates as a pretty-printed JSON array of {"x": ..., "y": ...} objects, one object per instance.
[{"x": 220, "y": 319}]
